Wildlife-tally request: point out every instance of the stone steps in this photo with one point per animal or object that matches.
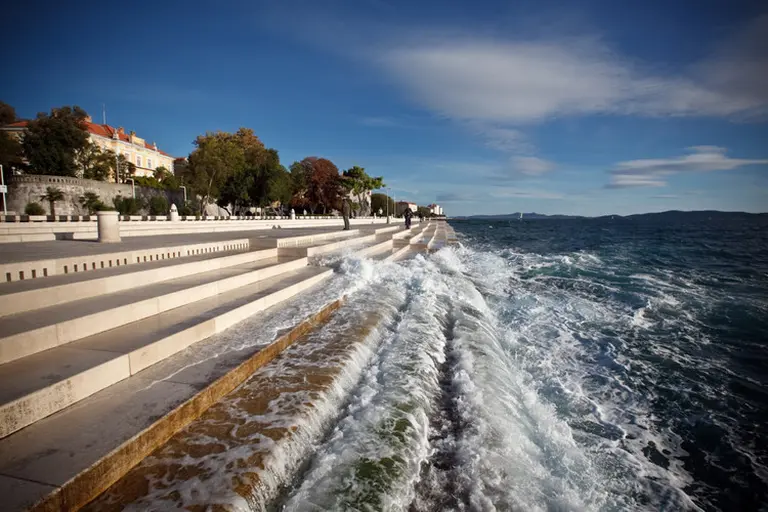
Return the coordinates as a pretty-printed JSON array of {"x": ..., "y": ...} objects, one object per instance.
[
  {"x": 35, "y": 268},
  {"x": 27, "y": 333},
  {"x": 77, "y": 372},
  {"x": 44, "y": 383},
  {"x": 20, "y": 296}
]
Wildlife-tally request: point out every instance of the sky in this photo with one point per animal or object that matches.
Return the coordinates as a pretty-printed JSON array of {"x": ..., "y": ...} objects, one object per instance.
[{"x": 485, "y": 107}]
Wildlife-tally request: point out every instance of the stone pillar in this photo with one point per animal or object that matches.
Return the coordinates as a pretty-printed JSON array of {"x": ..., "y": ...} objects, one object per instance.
[
  {"x": 174, "y": 213},
  {"x": 109, "y": 227},
  {"x": 293, "y": 214}
]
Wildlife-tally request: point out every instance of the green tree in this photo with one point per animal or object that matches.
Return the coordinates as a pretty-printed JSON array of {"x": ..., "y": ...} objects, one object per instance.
[
  {"x": 7, "y": 114},
  {"x": 161, "y": 173},
  {"x": 34, "y": 209},
  {"x": 357, "y": 181},
  {"x": 217, "y": 157},
  {"x": 52, "y": 141},
  {"x": 171, "y": 182},
  {"x": 52, "y": 195},
  {"x": 235, "y": 193},
  {"x": 91, "y": 202},
  {"x": 423, "y": 211},
  {"x": 379, "y": 202},
  {"x": 93, "y": 163},
  {"x": 125, "y": 169},
  {"x": 300, "y": 173},
  {"x": 11, "y": 152},
  {"x": 128, "y": 205},
  {"x": 158, "y": 205}
]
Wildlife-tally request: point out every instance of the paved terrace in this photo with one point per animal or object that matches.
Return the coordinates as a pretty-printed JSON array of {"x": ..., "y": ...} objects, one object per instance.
[{"x": 28, "y": 251}]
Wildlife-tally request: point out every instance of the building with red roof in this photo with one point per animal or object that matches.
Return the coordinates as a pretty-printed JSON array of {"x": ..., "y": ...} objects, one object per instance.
[{"x": 145, "y": 156}]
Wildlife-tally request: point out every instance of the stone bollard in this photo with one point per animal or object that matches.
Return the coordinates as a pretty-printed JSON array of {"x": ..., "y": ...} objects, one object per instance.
[
  {"x": 293, "y": 214},
  {"x": 174, "y": 213},
  {"x": 109, "y": 227}
]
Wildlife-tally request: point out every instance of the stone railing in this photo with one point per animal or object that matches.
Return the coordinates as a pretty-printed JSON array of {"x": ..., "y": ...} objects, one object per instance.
[{"x": 158, "y": 218}]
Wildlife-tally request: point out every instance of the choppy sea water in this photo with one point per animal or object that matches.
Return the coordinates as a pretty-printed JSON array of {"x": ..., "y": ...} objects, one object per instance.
[
  {"x": 565, "y": 365},
  {"x": 541, "y": 365}
]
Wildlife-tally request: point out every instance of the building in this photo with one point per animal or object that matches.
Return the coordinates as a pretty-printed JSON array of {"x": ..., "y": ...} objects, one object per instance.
[
  {"x": 404, "y": 205},
  {"x": 435, "y": 209},
  {"x": 146, "y": 157}
]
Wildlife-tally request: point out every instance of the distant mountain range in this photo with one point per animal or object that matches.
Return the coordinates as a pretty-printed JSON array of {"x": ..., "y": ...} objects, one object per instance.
[{"x": 671, "y": 214}]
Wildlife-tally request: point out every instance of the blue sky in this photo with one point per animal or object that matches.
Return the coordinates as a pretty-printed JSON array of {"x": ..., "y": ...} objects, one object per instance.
[{"x": 486, "y": 107}]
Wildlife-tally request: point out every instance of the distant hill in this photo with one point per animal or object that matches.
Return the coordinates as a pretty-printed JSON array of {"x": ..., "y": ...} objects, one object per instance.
[
  {"x": 516, "y": 215},
  {"x": 670, "y": 215}
]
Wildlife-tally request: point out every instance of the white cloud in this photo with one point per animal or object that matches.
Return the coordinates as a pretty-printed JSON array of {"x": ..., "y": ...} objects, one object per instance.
[
  {"x": 514, "y": 82},
  {"x": 526, "y": 194},
  {"x": 652, "y": 172},
  {"x": 531, "y": 165},
  {"x": 503, "y": 139}
]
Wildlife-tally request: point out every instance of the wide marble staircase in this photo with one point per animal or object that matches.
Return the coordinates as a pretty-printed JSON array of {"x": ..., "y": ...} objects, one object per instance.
[{"x": 75, "y": 330}]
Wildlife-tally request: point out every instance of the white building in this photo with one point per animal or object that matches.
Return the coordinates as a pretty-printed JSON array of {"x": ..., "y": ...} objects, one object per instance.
[
  {"x": 435, "y": 209},
  {"x": 146, "y": 157}
]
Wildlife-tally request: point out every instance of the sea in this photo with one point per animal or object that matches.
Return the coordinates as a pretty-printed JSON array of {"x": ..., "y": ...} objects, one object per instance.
[
  {"x": 575, "y": 364},
  {"x": 609, "y": 364}
]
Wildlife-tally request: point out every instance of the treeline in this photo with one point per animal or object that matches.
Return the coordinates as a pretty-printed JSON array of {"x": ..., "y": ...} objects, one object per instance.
[{"x": 236, "y": 171}]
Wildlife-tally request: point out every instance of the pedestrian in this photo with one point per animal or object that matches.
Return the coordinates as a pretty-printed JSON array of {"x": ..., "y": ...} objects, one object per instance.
[
  {"x": 346, "y": 208},
  {"x": 408, "y": 216}
]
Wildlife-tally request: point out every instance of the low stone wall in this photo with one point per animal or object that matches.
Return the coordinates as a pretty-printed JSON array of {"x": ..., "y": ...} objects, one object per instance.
[{"x": 28, "y": 188}]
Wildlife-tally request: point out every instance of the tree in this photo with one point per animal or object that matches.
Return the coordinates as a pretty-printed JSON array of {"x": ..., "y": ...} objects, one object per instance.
[
  {"x": 161, "y": 173},
  {"x": 34, "y": 209},
  {"x": 125, "y": 169},
  {"x": 299, "y": 174},
  {"x": 91, "y": 202},
  {"x": 52, "y": 194},
  {"x": 93, "y": 163},
  {"x": 423, "y": 211},
  {"x": 379, "y": 202},
  {"x": 323, "y": 185},
  {"x": 217, "y": 156},
  {"x": 7, "y": 114},
  {"x": 158, "y": 205},
  {"x": 236, "y": 193},
  {"x": 171, "y": 182},
  {"x": 128, "y": 205},
  {"x": 357, "y": 181},
  {"x": 52, "y": 140}
]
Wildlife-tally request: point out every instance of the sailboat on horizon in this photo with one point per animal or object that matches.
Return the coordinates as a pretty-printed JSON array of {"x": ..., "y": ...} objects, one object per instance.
[{"x": 521, "y": 216}]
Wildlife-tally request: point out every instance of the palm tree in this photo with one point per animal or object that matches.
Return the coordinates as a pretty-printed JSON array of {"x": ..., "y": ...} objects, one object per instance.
[{"x": 52, "y": 194}]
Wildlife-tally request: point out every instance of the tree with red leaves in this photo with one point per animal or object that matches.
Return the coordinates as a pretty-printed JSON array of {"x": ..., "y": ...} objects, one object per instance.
[{"x": 317, "y": 184}]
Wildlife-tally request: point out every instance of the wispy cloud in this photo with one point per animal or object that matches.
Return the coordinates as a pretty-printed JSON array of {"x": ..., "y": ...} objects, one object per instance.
[
  {"x": 665, "y": 196},
  {"x": 516, "y": 82},
  {"x": 453, "y": 197},
  {"x": 653, "y": 172},
  {"x": 526, "y": 194},
  {"x": 531, "y": 165},
  {"x": 380, "y": 122}
]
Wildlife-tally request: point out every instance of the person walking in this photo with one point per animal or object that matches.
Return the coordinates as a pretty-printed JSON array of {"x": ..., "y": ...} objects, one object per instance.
[
  {"x": 346, "y": 209},
  {"x": 408, "y": 216}
]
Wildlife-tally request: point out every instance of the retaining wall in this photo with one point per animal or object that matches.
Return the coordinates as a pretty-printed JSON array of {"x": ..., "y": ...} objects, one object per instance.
[{"x": 28, "y": 188}]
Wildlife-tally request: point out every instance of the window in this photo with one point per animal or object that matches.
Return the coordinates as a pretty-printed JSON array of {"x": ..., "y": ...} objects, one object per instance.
[
  {"x": 138, "y": 161},
  {"x": 149, "y": 163}
]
